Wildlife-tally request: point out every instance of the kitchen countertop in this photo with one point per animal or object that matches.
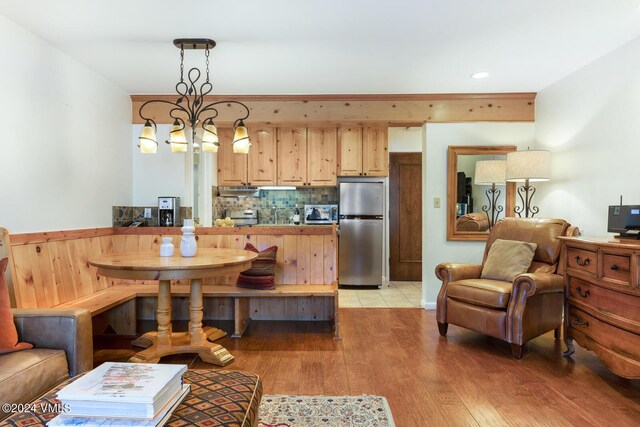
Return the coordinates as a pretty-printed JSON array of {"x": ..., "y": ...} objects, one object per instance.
[{"x": 260, "y": 229}]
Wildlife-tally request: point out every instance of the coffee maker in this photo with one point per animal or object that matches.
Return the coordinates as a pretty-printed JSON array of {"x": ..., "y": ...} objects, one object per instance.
[{"x": 169, "y": 211}]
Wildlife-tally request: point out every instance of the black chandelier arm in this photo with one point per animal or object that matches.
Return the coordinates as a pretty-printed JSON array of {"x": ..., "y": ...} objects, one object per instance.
[
  {"x": 211, "y": 107},
  {"x": 161, "y": 101}
]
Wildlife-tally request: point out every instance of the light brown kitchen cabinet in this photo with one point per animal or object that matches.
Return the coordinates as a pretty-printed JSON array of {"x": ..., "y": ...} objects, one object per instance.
[
  {"x": 363, "y": 151},
  {"x": 292, "y": 156},
  {"x": 262, "y": 156},
  {"x": 232, "y": 168},
  {"x": 350, "y": 151},
  {"x": 375, "y": 151},
  {"x": 322, "y": 145}
]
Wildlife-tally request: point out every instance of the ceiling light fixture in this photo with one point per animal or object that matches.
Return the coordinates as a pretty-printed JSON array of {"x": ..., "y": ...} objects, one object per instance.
[
  {"x": 480, "y": 75},
  {"x": 190, "y": 109}
]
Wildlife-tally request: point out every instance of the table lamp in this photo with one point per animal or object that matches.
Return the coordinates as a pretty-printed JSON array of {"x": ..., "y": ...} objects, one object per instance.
[
  {"x": 491, "y": 172},
  {"x": 528, "y": 166}
]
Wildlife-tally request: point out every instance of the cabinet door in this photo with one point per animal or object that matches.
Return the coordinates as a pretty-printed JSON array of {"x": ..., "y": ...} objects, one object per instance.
[
  {"x": 322, "y": 145},
  {"x": 375, "y": 152},
  {"x": 292, "y": 156},
  {"x": 262, "y": 156},
  {"x": 349, "y": 151},
  {"x": 232, "y": 168}
]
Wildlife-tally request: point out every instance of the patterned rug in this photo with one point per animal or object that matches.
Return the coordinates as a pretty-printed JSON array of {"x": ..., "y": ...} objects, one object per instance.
[{"x": 324, "y": 411}]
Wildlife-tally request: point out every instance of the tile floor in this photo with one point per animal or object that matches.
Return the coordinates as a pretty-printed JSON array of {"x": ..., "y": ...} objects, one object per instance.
[{"x": 392, "y": 294}]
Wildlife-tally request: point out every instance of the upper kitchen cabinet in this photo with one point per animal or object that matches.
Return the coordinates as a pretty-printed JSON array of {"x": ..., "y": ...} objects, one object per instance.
[
  {"x": 232, "y": 168},
  {"x": 262, "y": 157},
  {"x": 292, "y": 156},
  {"x": 350, "y": 151},
  {"x": 363, "y": 151},
  {"x": 375, "y": 151},
  {"x": 322, "y": 146}
]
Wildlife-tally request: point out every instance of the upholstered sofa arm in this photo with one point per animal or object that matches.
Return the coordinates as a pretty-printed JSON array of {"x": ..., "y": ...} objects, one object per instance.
[
  {"x": 59, "y": 328},
  {"x": 538, "y": 283},
  {"x": 456, "y": 271}
]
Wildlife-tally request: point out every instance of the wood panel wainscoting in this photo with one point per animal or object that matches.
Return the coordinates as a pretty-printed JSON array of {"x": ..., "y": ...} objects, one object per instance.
[
  {"x": 602, "y": 299},
  {"x": 51, "y": 269}
]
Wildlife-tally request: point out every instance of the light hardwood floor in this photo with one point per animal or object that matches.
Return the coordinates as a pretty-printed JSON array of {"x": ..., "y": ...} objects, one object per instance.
[{"x": 465, "y": 379}]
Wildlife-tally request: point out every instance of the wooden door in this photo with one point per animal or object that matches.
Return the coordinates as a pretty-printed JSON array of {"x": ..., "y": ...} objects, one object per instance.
[
  {"x": 232, "y": 168},
  {"x": 375, "y": 151},
  {"x": 405, "y": 216},
  {"x": 350, "y": 151},
  {"x": 292, "y": 156},
  {"x": 322, "y": 148},
  {"x": 262, "y": 156}
]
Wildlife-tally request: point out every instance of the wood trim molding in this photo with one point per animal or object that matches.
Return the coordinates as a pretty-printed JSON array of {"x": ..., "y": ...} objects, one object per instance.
[
  {"x": 55, "y": 236},
  {"x": 390, "y": 109}
]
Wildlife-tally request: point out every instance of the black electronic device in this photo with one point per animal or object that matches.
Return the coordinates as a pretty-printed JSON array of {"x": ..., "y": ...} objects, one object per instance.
[{"x": 625, "y": 220}]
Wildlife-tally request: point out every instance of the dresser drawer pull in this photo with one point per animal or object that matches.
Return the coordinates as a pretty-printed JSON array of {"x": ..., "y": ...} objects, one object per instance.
[
  {"x": 583, "y": 295},
  {"x": 578, "y": 322},
  {"x": 614, "y": 267},
  {"x": 584, "y": 263}
]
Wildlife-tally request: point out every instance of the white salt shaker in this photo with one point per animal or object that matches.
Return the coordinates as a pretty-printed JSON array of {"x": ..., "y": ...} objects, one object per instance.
[
  {"x": 188, "y": 244},
  {"x": 166, "y": 248}
]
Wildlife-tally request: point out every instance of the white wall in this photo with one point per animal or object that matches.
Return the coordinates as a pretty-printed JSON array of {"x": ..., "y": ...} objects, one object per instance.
[
  {"x": 156, "y": 175},
  {"x": 590, "y": 121},
  {"x": 64, "y": 154},
  {"x": 438, "y": 136},
  {"x": 405, "y": 140}
]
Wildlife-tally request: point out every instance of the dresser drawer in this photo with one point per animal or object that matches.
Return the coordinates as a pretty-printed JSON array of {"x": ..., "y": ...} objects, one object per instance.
[
  {"x": 616, "y": 268},
  {"x": 610, "y": 337},
  {"x": 617, "y": 305},
  {"x": 582, "y": 259}
]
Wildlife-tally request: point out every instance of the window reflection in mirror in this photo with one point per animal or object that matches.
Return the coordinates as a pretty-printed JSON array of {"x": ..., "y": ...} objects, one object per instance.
[{"x": 466, "y": 218}]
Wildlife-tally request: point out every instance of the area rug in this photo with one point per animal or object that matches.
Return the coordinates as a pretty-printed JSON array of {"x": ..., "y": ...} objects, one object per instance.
[{"x": 324, "y": 411}]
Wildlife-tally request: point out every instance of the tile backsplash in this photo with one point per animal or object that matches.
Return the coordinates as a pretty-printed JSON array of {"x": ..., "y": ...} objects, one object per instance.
[
  {"x": 123, "y": 215},
  {"x": 284, "y": 201}
]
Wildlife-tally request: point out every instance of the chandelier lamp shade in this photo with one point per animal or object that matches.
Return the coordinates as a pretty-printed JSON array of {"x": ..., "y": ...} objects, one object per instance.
[
  {"x": 190, "y": 109},
  {"x": 491, "y": 172},
  {"x": 528, "y": 166}
]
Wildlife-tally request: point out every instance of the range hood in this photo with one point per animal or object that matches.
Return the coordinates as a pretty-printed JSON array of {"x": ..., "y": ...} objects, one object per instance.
[{"x": 239, "y": 191}]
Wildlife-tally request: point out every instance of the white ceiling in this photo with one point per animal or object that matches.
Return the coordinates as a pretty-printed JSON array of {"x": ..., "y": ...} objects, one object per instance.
[{"x": 335, "y": 46}]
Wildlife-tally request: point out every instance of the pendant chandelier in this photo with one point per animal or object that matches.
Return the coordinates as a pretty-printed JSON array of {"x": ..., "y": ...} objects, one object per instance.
[{"x": 191, "y": 109}]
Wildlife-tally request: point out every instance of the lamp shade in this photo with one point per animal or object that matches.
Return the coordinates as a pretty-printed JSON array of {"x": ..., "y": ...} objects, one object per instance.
[
  {"x": 490, "y": 172},
  {"x": 210, "y": 141},
  {"x": 177, "y": 138},
  {"x": 534, "y": 165},
  {"x": 241, "y": 141},
  {"x": 147, "y": 138}
]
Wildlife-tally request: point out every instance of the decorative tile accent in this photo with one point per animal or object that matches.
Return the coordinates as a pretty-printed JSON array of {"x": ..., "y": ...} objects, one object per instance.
[{"x": 284, "y": 202}]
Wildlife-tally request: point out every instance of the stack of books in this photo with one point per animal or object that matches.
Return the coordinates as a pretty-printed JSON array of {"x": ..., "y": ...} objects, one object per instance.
[{"x": 122, "y": 394}]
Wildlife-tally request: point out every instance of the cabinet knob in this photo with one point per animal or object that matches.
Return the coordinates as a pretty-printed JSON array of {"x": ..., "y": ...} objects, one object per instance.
[
  {"x": 583, "y": 295},
  {"x": 365, "y": 173},
  {"x": 614, "y": 267}
]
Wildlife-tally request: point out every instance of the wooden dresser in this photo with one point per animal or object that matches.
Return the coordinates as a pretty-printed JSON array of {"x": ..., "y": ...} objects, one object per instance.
[{"x": 602, "y": 308}]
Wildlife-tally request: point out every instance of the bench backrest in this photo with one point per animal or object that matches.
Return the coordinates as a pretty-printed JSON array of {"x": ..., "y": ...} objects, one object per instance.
[{"x": 52, "y": 268}]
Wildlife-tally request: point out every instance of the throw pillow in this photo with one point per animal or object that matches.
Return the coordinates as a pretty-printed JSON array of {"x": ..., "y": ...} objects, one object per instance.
[
  {"x": 8, "y": 334},
  {"x": 508, "y": 259},
  {"x": 261, "y": 273}
]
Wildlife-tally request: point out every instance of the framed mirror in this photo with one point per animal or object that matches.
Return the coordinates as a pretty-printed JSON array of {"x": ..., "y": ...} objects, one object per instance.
[{"x": 474, "y": 205}]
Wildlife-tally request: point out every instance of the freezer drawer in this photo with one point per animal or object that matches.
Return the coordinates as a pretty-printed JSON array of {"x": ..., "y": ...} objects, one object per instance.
[{"x": 360, "y": 252}]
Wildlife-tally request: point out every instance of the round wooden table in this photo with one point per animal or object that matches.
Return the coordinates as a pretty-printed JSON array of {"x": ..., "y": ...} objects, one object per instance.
[{"x": 151, "y": 266}]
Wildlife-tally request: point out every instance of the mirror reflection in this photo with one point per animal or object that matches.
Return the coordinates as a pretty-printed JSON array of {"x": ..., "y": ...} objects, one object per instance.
[{"x": 477, "y": 193}]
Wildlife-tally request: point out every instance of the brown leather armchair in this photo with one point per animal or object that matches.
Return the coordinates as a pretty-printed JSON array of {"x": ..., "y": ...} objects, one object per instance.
[{"x": 514, "y": 312}]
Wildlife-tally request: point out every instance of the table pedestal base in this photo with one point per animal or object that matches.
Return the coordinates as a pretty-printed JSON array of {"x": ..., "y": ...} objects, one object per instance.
[{"x": 183, "y": 342}]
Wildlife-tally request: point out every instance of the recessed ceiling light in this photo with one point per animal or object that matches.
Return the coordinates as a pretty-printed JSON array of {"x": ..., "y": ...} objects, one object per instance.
[{"x": 480, "y": 75}]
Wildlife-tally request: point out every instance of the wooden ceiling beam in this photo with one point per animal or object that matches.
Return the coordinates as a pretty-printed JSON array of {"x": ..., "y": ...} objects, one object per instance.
[{"x": 396, "y": 110}]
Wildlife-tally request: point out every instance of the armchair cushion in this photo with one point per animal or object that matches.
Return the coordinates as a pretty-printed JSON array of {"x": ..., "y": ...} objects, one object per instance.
[
  {"x": 8, "y": 333},
  {"x": 508, "y": 259},
  {"x": 483, "y": 292}
]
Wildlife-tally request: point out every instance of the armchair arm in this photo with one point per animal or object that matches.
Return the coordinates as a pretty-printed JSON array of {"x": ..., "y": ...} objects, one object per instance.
[
  {"x": 68, "y": 329},
  {"x": 538, "y": 283},
  {"x": 452, "y": 271}
]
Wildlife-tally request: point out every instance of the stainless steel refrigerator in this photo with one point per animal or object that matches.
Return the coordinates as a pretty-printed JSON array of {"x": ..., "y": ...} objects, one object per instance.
[{"x": 361, "y": 233}]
